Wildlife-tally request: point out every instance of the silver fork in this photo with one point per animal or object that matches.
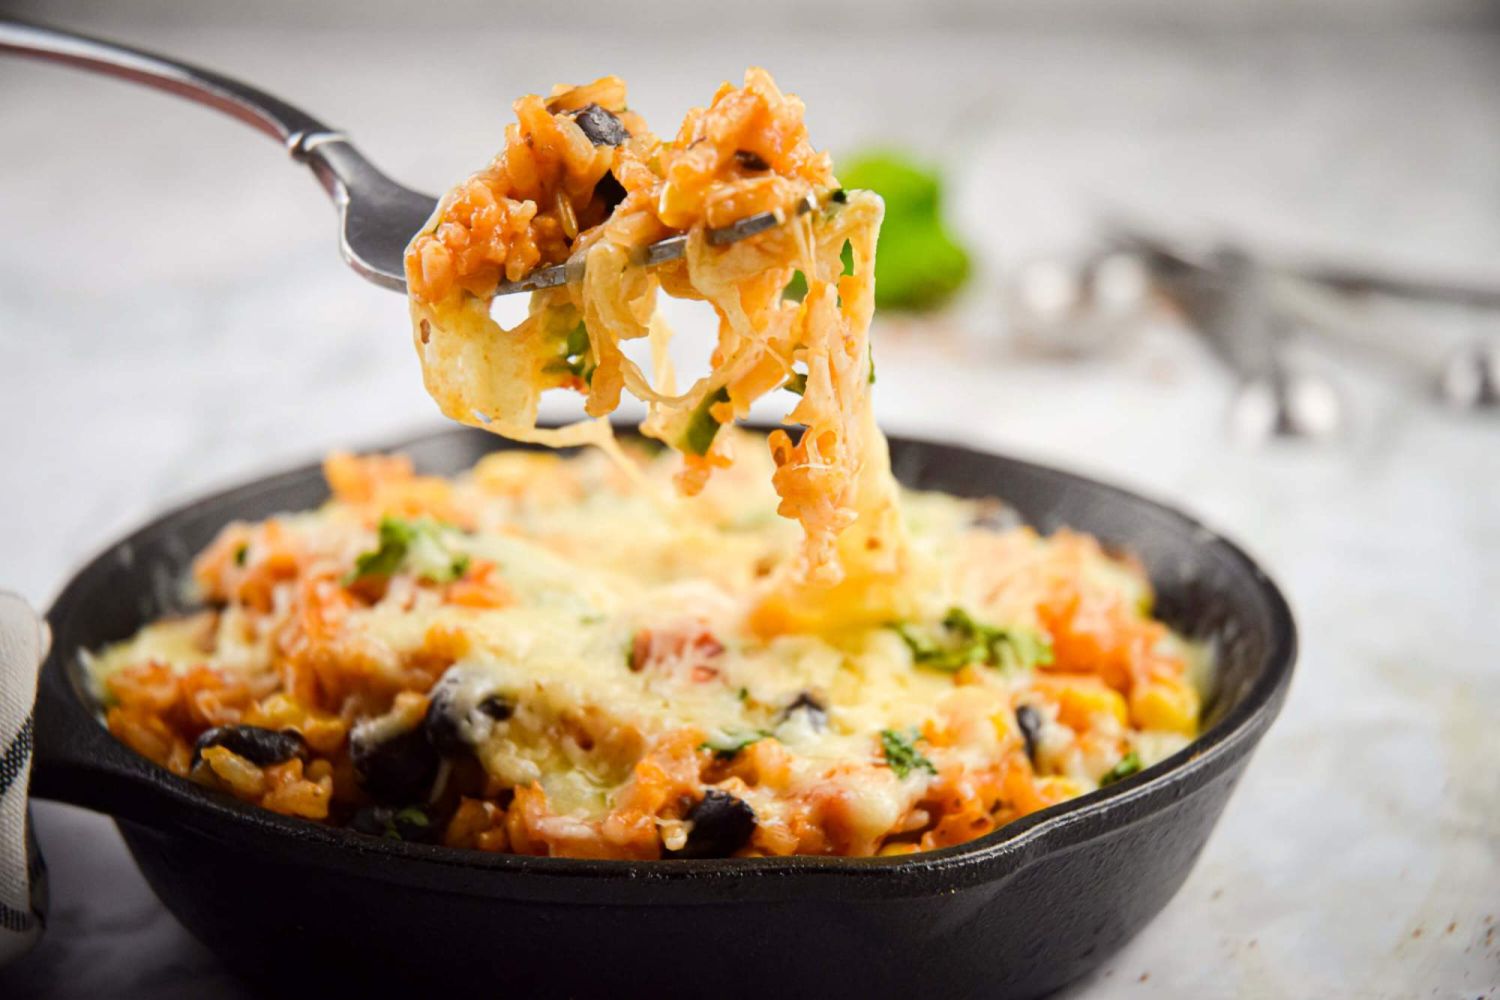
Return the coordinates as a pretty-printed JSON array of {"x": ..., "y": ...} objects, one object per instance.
[{"x": 377, "y": 216}]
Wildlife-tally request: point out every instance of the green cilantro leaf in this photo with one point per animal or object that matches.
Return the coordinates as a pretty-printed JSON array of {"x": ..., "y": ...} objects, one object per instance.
[
  {"x": 1128, "y": 765},
  {"x": 901, "y": 753},
  {"x": 410, "y": 823},
  {"x": 578, "y": 357},
  {"x": 726, "y": 745},
  {"x": 575, "y": 356},
  {"x": 960, "y": 641},
  {"x": 413, "y": 816},
  {"x": 415, "y": 545},
  {"x": 394, "y": 537},
  {"x": 702, "y": 426}
]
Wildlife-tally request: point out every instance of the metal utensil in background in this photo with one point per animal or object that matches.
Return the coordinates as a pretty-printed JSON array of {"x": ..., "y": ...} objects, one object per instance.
[
  {"x": 1226, "y": 295},
  {"x": 1463, "y": 373},
  {"x": 1368, "y": 312},
  {"x": 1470, "y": 379},
  {"x": 1074, "y": 307}
]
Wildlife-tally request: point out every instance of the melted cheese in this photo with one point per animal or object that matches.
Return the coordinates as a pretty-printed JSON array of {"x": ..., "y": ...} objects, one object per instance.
[{"x": 629, "y": 618}]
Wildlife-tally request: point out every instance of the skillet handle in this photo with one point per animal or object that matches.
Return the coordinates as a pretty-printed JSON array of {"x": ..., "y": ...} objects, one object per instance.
[{"x": 77, "y": 761}]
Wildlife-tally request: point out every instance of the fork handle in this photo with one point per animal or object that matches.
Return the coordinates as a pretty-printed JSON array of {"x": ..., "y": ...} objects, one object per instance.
[
  {"x": 376, "y": 215},
  {"x": 327, "y": 152},
  {"x": 290, "y": 126}
]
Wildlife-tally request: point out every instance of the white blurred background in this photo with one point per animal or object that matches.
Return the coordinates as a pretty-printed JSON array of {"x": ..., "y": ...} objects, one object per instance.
[{"x": 174, "y": 317}]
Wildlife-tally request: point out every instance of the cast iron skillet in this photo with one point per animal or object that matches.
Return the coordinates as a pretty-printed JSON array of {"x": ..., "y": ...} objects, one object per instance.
[{"x": 1017, "y": 913}]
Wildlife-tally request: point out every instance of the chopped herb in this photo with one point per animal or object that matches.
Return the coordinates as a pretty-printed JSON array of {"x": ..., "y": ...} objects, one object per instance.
[
  {"x": 924, "y": 652},
  {"x": 961, "y": 641},
  {"x": 412, "y": 815},
  {"x": 901, "y": 753},
  {"x": 703, "y": 426},
  {"x": 241, "y": 553},
  {"x": 395, "y": 538},
  {"x": 417, "y": 545},
  {"x": 796, "y": 289},
  {"x": 796, "y": 383},
  {"x": 578, "y": 340},
  {"x": 726, "y": 745},
  {"x": 744, "y": 694},
  {"x": 410, "y": 823},
  {"x": 577, "y": 357},
  {"x": 1128, "y": 765},
  {"x": 871, "y": 351}
]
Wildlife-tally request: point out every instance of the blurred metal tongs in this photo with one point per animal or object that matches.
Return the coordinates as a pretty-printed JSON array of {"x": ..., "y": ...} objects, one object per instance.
[
  {"x": 1247, "y": 308},
  {"x": 1227, "y": 297},
  {"x": 377, "y": 216}
]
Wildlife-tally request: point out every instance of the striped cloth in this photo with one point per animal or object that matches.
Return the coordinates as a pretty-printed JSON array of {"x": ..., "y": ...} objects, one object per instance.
[{"x": 23, "y": 644}]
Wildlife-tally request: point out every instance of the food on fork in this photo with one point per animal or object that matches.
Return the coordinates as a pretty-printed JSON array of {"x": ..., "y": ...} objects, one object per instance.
[{"x": 581, "y": 178}]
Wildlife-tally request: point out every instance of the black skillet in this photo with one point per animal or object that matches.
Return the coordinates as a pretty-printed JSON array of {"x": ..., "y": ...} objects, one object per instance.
[{"x": 291, "y": 903}]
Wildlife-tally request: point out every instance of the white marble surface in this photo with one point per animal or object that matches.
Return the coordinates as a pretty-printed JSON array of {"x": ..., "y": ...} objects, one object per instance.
[{"x": 158, "y": 338}]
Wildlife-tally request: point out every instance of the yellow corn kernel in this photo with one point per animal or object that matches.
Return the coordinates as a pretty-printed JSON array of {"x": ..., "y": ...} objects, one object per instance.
[
  {"x": 277, "y": 711},
  {"x": 898, "y": 847},
  {"x": 1081, "y": 701},
  {"x": 513, "y": 473},
  {"x": 1165, "y": 704},
  {"x": 674, "y": 207},
  {"x": 1005, "y": 727},
  {"x": 1057, "y": 788},
  {"x": 323, "y": 732}
]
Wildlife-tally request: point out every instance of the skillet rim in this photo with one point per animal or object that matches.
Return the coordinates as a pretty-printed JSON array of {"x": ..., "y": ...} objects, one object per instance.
[{"x": 1020, "y": 842}]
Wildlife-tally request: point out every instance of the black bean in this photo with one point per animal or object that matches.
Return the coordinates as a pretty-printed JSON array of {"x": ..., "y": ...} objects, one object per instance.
[
  {"x": 610, "y": 191},
  {"x": 399, "y": 769},
  {"x": 816, "y": 709},
  {"x": 995, "y": 515},
  {"x": 750, "y": 160},
  {"x": 443, "y": 723},
  {"x": 722, "y": 824},
  {"x": 259, "y": 746},
  {"x": 1030, "y": 721},
  {"x": 602, "y": 128},
  {"x": 497, "y": 708}
]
